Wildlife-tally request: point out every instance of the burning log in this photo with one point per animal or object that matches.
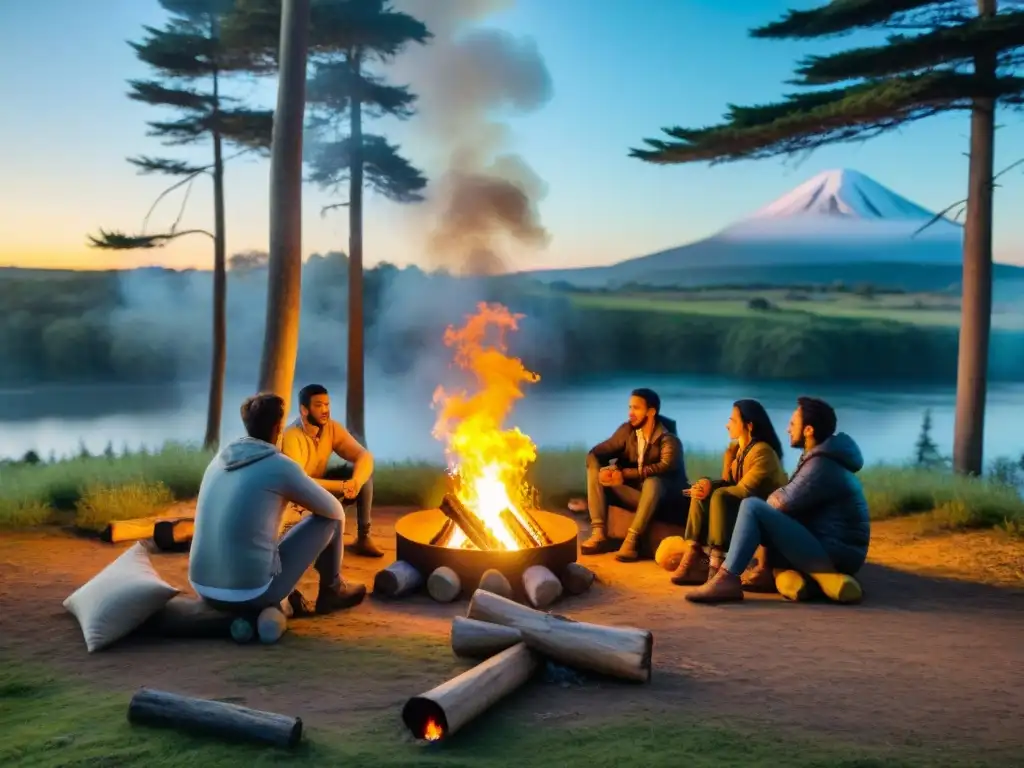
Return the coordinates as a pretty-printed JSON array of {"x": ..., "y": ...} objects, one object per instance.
[
  {"x": 444, "y": 584},
  {"x": 623, "y": 652},
  {"x": 577, "y": 578},
  {"x": 441, "y": 712},
  {"x": 213, "y": 718},
  {"x": 397, "y": 579},
  {"x": 444, "y": 536},
  {"x": 494, "y": 581},
  {"x": 519, "y": 531},
  {"x": 470, "y": 524},
  {"x": 541, "y": 586},
  {"x": 536, "y": 531},
  {"x": 480, "y": 639}
]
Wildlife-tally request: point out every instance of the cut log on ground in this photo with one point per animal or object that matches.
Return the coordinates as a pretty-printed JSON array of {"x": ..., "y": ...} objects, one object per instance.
[
  {"x": 397, "y": 579},
  {"x": 173, "y": 535},
  {"x": 136, "y": 529},
  {"x": 444, "y": 584},
  {"x": 472, "y": 639},
  {"x": 470, "y": 524},
  {"x": 623, "y": 652},
  {"x": 577, "y": 578},
  {"x": 541, "y": 586},
  {"x": 271, "y": 625},
  {"x": 187, "y": 616},
  {"x": 494, "y": 581},
  {"x": 441, "y": 712},
  {"x": 213, "y": 718}
]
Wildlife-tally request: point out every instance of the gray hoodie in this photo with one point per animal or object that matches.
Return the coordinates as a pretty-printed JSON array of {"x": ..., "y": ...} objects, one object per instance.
[{"x": 241, "y": 503}]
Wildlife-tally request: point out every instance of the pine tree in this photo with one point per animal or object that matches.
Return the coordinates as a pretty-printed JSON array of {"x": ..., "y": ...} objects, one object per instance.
[
  {"x": 191, "y": 58},
  {"x": 926, "y": 452},
  {"x": 346, "y": 38},
  {"x": 941, "y": 58}
]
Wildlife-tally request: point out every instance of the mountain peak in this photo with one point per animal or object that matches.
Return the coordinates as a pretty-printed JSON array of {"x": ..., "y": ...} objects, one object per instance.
[{"x": 844, "y": 193}]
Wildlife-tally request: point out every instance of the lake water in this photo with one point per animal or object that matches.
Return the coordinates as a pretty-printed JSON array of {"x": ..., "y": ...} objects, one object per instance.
[{"x": 399, "y": 419}]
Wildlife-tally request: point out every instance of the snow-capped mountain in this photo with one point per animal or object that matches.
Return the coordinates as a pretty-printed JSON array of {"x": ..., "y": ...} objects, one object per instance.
[{"x": 839, "y": 217}]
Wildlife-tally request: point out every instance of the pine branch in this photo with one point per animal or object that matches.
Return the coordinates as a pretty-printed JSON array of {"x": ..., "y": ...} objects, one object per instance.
[
  {"x": 151, "y": 92},
  {"x": 119, "y": 241},
  {"x": 385, "y": 170},
  {"x": 938, "y": 216},
  {"x": 187, "y": 180},
  {"x": 187, "y": 130},
  {"x": 177, "y": 54},
  {"x": 841, "y": 17},
  {"x": 335, "y": 85},
  {"x": 250, "y": 128},
  {"x": 168, "y": 167},
  {"x": 332, "y": 207}
]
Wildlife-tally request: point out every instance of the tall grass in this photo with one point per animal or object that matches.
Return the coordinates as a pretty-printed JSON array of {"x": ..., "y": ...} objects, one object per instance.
[{"x": 91, "y": 490}]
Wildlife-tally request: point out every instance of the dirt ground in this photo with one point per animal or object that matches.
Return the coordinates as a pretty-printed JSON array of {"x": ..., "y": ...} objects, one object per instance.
[{"x": 929, "y": 658}]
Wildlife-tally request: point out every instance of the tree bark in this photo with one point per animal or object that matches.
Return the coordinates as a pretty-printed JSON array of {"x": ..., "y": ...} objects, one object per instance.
[
  {"x": 355, "y": 401},
  {"x": 218, "y": 363},
  {"x": 472, "y": 639},
  {"x": 976, "y": 301},
  {"x": 284, "y": 280}
]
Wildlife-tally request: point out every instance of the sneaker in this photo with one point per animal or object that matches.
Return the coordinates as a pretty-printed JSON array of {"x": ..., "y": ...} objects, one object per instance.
[{"x": 339, "y": 598}]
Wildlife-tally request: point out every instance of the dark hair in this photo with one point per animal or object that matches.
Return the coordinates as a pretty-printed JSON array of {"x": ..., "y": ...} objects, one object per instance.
[
  {"x": 762, "y": 429},
  {"x": 308, "y": 392},
  {"x": 818, "y": 415},
  {"x": 261, "y": 414},
  {"x": 649, "y": 396}
]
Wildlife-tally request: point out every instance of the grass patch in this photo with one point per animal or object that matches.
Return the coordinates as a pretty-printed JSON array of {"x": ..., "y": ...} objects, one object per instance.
[
  {"x": 46, "y": 722},
  {"x": 94, "y": 490}
]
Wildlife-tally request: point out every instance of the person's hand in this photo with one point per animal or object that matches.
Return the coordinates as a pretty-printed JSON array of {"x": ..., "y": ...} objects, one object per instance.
[
  {"x": 610, "y": 476},
  {"x": 701, "y": 489},
  {"x": 349, "y": 489},
  {"x": 774, "y": 501}
]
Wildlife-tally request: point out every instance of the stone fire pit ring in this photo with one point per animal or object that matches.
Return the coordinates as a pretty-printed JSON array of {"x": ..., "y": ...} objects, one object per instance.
[{"x": 414, "y": 531}]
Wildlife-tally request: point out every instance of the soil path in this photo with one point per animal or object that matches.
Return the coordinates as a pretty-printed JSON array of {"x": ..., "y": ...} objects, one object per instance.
[{"x": 923, "y": 660}]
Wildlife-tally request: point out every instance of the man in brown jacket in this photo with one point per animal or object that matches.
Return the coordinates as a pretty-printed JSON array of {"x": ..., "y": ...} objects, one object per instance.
[{"x": 648, "y": 466}]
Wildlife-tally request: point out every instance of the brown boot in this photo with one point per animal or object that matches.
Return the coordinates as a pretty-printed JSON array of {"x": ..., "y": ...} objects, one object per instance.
[
  {"x": 723, "y": 587},
  {"x": 339, "y": 598},
  {"x": 758, "y": 579},
  {"x": 364, "y": 545},
  {"x": 628, "y": 551},
  {"x": 597, "y": 543},
  {"x": 693, "y": 568}
]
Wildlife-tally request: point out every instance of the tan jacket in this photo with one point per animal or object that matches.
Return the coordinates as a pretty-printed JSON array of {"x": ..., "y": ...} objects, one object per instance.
[{"x": 758, "y": 474}]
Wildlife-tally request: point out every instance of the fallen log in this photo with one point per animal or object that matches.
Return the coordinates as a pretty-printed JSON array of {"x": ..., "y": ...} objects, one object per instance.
[
  {"x": 542, "y": 587},
  {"x": 623, "y": 652},
  {"x": 396, "y": 580},
  {"x": 518, "y": 529},
  {"x": 213, "y": 718},
  {"x": 173, "y": 535},
  {"x": 136, "y": 529},
  {"x": 444, "y": 584},
  {"x": 494, "y": 581},
  {"x": 187, "y": 616},
  {"x": 442, "y": 711},
  {"x": 577, "y": 578},
  {"x": 470, "y": 524},
  {"x": 474, "y": 639}
]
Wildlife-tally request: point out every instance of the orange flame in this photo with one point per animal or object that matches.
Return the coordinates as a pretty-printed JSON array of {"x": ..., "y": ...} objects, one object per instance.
[
  {"x": 488, "y": 463},
  {"x": 432, "y": 730}
]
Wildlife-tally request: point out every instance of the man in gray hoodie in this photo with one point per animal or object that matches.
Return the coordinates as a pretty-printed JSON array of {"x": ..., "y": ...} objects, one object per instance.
[{"x": 237, "y": 562}]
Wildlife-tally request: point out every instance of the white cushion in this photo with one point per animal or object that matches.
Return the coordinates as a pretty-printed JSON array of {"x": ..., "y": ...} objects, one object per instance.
[{"x": 119, "y": 598}]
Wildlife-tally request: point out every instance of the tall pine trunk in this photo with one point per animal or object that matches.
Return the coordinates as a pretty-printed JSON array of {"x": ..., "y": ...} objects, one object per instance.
[
  {"x": 976, "y": 311},
  {"x": 218, "y": 364},
  {"x": 355, "y": 394},
  {"x": 284, "y": 279}
]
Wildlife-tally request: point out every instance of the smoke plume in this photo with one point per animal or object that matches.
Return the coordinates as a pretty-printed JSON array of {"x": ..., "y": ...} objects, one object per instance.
[{"x": 483, "y": 199}]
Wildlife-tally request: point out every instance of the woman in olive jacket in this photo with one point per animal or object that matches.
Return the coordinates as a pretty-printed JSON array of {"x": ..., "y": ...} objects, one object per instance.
[{"x": 752, "y": 466}]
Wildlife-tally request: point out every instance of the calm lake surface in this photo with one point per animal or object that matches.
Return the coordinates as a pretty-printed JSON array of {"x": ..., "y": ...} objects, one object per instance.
[{"x": 399, "y": 417}]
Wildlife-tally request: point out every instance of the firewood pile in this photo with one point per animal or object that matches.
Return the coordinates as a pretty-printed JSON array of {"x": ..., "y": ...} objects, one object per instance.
[{"x": 511, "y": 640}]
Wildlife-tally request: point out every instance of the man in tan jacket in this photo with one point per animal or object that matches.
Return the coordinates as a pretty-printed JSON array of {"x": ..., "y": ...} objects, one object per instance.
[{"x": 312, "y": 439}]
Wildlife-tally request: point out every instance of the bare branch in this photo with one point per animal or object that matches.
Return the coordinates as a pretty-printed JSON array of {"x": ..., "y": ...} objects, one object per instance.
[
  {"x": 937, "y": 217},
  {"x": 187, "y": 180},
  {"x": 327, "y": 208}
]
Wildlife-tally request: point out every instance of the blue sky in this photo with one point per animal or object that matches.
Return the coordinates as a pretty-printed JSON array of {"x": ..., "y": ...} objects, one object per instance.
[{"x": 618, "y": 75}]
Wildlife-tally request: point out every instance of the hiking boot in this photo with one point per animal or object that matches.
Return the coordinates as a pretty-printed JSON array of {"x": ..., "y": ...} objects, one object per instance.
[
  {"x": 339, "y": 598},
  {"x": 597, "y": 543},
  {"x": 723, "y": 587},
  {"x": 693, "y": 568},
  {"x": 365, "y": 545},
  {"x": 297, "y": 606},
  {"x": 758, "y": 579},
  {"x": 628, "y": 551}
]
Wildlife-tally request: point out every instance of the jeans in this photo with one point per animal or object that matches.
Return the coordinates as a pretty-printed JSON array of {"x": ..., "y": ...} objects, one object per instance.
[
  {"x": 712, "y": 520},
  {"x": 759, "y": 523},
  {"x": 644, "y": 500},
  {"x": 315, "y": 541}
]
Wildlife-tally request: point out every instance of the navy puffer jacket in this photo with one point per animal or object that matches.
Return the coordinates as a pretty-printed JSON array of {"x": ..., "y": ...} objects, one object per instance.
[{"x": 825, "y": 494}]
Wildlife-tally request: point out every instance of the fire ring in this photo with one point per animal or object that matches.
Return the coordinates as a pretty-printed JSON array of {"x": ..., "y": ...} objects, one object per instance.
[{"x": 414, "y": 531}]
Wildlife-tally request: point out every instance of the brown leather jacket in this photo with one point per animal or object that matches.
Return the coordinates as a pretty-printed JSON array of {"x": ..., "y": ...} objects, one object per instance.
[{"x": 663, "y": 457}]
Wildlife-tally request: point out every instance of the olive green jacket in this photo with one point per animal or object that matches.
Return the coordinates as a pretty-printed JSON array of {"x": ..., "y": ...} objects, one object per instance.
[{"x": 758, "y": 472}]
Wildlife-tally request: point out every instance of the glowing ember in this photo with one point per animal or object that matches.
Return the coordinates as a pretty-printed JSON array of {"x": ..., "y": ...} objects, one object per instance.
[
  {"x": 432, "y": 731},
  {"x": 487, "y": 463}
]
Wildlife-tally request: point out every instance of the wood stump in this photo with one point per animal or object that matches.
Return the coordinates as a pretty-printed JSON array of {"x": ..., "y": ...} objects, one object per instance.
[
  {"x": 494, "y": 581},
  {"x": 577, "y": 578},
  {"x": 396, "y": 580},
  {"x": 444, "y": 584},
  {"x": 542, "y": 587}
]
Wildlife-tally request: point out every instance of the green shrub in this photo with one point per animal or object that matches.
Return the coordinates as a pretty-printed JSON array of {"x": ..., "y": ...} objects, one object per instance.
[{"x": 100, "y": 503}]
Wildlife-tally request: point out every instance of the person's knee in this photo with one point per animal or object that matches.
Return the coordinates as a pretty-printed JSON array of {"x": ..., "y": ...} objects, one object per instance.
[
  {"x": 755, "y": 506},
  {"x": 654, "y": 487}
]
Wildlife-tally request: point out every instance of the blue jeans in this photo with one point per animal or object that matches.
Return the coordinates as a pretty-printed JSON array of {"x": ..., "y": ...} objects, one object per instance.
[
  {"x": 315, "y": 541},
  {"x": 760, "y": 523}
]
